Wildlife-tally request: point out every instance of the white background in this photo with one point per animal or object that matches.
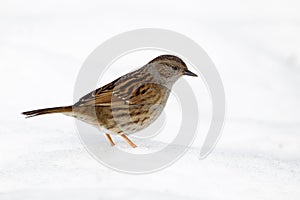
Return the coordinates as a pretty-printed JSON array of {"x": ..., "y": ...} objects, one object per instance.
[{"x": 255, "y": 46}]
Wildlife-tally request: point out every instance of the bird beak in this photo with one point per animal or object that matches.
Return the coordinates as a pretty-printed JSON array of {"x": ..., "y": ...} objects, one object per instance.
[{"x": 189, "y": 73}]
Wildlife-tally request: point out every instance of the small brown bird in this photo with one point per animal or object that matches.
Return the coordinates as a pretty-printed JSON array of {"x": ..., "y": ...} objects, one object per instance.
[{"x": 131, "y": 102}]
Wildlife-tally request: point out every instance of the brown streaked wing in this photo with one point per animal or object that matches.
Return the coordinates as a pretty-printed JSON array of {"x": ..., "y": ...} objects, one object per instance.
[
  {"x": 127, "y": 89},
  {"x": 148, "y": 93},
  {"x": 100, "y": 96}
]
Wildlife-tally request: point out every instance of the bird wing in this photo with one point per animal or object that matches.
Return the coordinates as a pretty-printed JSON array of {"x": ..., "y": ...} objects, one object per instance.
[
  {"x": 131, "y": 89},
  {"x": 141, "y": 93},
  {"x": 101, "y": 96}
]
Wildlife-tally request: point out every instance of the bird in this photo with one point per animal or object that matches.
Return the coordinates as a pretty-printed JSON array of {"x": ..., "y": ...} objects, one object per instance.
[{"x": 128, "y": 104}]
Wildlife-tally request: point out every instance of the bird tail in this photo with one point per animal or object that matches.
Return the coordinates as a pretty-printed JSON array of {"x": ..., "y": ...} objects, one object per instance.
[{"x": 33, "y": 113}]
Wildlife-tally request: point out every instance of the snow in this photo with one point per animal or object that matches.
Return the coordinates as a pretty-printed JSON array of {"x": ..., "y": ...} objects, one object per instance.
[{"x": 255, "y": 46}]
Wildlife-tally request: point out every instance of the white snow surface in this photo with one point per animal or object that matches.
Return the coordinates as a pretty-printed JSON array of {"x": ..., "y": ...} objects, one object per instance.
[{"x": 256, "y": 48}]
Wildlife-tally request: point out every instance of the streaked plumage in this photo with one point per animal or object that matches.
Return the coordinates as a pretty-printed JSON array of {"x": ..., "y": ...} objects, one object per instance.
[{"x": 131, "y": 102}]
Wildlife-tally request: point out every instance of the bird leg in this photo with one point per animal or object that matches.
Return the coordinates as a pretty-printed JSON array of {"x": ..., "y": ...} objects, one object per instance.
[
  {"x": 128, "y": 140},
  {"x": 110, "y": 139}
]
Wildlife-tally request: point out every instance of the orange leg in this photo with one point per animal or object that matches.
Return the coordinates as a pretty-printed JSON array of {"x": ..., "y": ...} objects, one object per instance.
[
  {"x": 128, "y": 140},
  {"x": 109, "y": 139}
]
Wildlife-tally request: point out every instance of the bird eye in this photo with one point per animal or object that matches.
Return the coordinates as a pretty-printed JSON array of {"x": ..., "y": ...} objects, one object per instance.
[{"x": 174, "y": 67}]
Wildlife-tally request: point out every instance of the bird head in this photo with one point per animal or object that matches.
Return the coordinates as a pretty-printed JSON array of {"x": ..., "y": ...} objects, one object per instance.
[{"x": 170, "y": 68}]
